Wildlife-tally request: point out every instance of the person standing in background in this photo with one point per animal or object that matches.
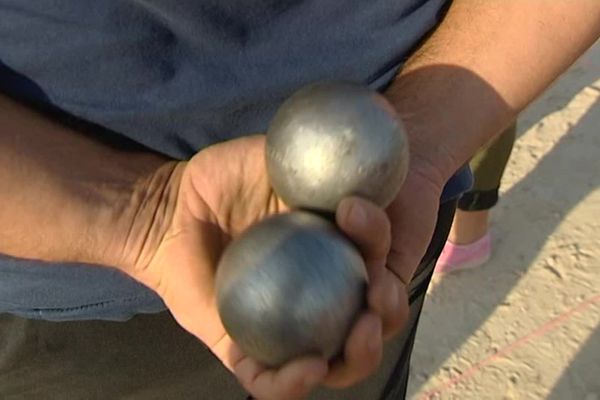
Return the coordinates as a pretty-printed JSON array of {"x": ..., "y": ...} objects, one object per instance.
[{"x": 470, "y": 242}]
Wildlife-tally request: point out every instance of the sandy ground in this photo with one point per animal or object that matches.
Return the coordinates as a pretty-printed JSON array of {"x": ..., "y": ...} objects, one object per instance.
[{"x": 527, "y": 324}]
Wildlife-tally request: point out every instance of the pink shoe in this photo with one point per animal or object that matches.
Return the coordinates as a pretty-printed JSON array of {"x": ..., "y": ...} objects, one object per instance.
[{"x": 456, "y": 257}]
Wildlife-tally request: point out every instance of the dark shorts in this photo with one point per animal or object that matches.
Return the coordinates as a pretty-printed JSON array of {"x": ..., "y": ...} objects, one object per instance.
[
  {"x": 488, "y": 166},
  {"x": 151, "y": 357}
]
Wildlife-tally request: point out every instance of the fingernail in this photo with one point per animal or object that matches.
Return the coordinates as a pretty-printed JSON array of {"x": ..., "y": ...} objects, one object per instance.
[{"x": 358, "y": 215}]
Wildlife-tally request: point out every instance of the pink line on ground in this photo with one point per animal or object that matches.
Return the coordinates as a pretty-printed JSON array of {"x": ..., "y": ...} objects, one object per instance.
[{"x": 509, "y": 348}]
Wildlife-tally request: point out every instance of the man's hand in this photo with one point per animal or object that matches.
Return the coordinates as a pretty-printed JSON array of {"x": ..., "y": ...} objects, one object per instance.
[
  {"x": 413, "y": 215},
  {"x": 166, "y": 223},
  {"x": 220, "y": 192}
]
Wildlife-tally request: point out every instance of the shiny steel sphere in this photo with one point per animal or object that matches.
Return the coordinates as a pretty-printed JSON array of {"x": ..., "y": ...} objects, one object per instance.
[
  {"x": 334, "y": 139},
  {"x": 290, "y": 285}
]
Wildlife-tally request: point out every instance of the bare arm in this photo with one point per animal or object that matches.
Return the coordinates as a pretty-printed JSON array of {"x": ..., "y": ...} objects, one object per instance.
[
  {"x": 66, "y": 197},
  {"x": 485, "y": 63}
]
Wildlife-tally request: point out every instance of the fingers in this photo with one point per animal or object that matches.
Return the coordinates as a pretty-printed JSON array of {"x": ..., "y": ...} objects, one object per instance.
[
  {"x": 292, "y": 381},
  {"x": 369, "y": 228},
  {"x": 362, "y": 354},
  {"x": 388, "y": 298}
]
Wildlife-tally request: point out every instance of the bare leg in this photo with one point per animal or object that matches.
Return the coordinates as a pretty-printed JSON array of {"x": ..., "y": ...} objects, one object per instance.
[
  {"x": 469, "y": 244},
  {"x": 469, "y": 226}
]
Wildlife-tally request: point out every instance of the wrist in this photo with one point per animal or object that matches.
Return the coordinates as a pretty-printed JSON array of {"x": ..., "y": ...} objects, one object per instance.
[
  {"x": 449, "y": 112},
  {"x": 67, "y": 197},
  {"x": 143, "y": 220},
  {"x": 431, "y": 162}
]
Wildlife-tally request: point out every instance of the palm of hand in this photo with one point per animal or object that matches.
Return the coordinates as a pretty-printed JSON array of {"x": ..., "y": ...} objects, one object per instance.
[
  {"x": 222, "y": 191},
  {"x": 205, "y": 219}
]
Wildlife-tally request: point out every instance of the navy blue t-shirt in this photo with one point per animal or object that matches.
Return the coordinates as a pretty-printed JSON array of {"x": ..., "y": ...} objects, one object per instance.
[{"x": 177, "y": 76}]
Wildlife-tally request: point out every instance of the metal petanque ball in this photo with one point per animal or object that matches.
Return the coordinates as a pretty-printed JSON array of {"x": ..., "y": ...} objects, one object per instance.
[
  {"x": 334, "y": 139},
  {"x": 289, "y": 286}
]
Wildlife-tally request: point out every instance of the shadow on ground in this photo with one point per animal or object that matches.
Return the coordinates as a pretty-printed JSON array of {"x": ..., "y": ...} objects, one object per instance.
[
  {"x": 524, "y": 219},
  {"x": 581, "y": 378}
]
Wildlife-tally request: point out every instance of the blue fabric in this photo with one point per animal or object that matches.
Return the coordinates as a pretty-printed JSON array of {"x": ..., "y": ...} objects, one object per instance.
[
  {"x": 460, "y": 183},
  {"x": 177, "y": 76}
]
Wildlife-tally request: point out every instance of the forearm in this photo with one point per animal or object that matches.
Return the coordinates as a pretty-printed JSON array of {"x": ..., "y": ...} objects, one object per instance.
[
  {"x": 485, "y": 63},
  {"x": 68, "y": 198}
]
